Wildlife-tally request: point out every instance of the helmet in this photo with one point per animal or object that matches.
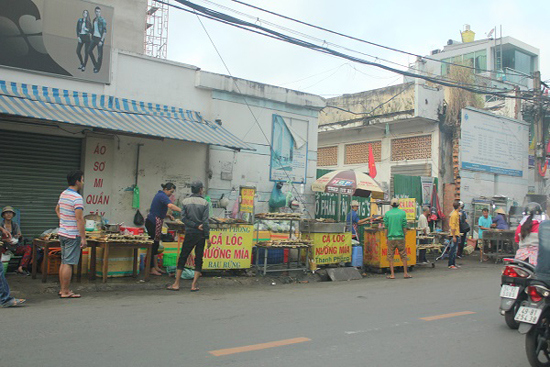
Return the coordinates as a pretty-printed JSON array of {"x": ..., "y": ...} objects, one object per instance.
[{"x": 532, "y": 209}]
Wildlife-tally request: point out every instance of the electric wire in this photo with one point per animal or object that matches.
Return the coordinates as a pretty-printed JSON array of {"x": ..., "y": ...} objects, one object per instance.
[
  {"x": 365, "y": 41},
  {"x": 298, "y": 195},
  {"x": 238, "y": 23}
]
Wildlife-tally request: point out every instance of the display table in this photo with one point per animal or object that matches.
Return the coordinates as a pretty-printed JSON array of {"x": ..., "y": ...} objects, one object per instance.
[
  {"x": 430, "y": 245},
  {"x": 499, "y": 236},
  {"x": 106, "y": 245},
  {"x": 376, "y": 249},
  {"x": 47, "y": 245},
  {"x": 269, "y": 245}
]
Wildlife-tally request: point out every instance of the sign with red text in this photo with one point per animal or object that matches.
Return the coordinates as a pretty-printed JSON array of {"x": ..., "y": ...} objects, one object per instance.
[
  {"x": 247, "y": 199},
  {"x": 330, "y": 248},
  {"x": 98, "y": 176},
  {"x": 231, "y": 249},
  {"x": 409, "y": 206}
]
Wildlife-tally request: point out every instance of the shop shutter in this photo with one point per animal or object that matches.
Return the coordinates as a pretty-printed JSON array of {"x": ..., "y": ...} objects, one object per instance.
[
  {"x": 33, "y": 173},
  {"x": 410, "y": 170}
]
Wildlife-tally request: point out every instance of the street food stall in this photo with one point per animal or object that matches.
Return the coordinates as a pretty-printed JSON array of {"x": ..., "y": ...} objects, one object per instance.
[
  {"x": 333, "y": 243},
  {"x": 376, "y": 248},
  {"x": 287, "y": 240}
]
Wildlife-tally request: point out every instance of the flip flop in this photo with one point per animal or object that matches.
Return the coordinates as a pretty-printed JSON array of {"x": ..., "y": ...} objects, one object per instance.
[
  {"x": 16, "y": 302},
  {"x": 408, "y": 277},
  {"x": 389, "y": 277},
  {"x": 170, "y": 288},
  {"x": 195, "y": 290},
  {"x": 71, "y": 295}
]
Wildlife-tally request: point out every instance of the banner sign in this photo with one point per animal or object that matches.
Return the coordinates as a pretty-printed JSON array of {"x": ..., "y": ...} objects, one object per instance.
[
  {"x": 493, "y": 144},
  {"x": 247, "y": 199},
  {"x": 427, "y": 189},
  {"x": 409, "y": 206},
  {"x": 231, "y": 249},
  {"x": 330, "y": 248},
  {"x": 71, "y": 38},
  {"x": 288, "y": 150}
]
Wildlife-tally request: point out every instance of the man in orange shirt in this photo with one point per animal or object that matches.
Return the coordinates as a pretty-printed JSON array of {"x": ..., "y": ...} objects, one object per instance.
[{"x": 454, "y": 224}]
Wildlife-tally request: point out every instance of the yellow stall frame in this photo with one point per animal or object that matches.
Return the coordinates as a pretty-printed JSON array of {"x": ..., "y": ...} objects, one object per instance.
[{"x": 376, "y": 249}]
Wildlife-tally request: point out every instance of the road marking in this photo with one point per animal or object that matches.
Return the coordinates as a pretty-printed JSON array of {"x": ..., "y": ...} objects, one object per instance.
[
  {"x": 249, "y": 348},
  {"x": 446, "y": 316}
]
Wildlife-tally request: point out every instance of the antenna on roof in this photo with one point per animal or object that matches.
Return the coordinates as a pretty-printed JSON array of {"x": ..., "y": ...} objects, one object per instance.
[{"x": 490, "y": 33}]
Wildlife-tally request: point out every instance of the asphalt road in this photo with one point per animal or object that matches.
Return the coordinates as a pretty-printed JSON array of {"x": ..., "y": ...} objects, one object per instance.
[{"x": 370, "y": 322}]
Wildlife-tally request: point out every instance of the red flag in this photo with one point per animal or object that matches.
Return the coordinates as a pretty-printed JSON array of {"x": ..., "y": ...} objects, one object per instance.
[{"x": 372, "y": 164}]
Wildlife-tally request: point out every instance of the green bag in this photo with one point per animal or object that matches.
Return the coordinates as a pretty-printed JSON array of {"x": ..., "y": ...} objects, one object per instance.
[
  {"x": 187, "y": 273},
  {"x": 135, "y": 200}
]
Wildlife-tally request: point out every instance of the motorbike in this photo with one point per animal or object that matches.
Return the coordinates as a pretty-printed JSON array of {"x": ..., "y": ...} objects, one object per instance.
[
  {"x": 515, "y": 278},
  {"x": 534, "y": 313}
]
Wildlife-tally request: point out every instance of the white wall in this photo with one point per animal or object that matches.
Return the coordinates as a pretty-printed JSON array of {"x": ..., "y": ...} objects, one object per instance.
[{"x": 405, "y": 128}]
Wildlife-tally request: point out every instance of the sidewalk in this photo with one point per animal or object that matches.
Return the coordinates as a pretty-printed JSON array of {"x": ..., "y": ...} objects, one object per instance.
[{"x": 25, "y": 286}]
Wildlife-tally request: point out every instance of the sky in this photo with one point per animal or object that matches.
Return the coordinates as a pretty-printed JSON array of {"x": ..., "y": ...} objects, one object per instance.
[{"x": 417, "y": 27}]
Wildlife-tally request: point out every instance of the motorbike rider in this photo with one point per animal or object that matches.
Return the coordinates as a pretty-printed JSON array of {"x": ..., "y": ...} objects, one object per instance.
[{"x": 527, "y": 233}]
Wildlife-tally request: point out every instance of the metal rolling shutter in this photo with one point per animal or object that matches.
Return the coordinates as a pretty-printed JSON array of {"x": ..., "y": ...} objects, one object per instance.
[{"x": 33, "y": 172}]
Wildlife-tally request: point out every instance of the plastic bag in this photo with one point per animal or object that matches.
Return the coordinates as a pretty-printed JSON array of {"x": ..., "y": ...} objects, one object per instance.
[
  {"x": 277, "y": 199},
  {"x": 138, "y": 219},
  {"x": 187, "y": 273}
]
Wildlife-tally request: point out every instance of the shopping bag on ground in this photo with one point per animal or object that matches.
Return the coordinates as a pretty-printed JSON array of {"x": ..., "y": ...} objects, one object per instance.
[{"x": 187, "y": 273}]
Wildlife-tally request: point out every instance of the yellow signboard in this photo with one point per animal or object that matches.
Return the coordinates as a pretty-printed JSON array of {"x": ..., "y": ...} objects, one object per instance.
[
  {"x": 376, "y": 249},
  {"x": 231, "y": 249},
  {"x": 247, "y": 199},
  {"x": 330, "y": 248},
  {"x": 409, "y": 206}
]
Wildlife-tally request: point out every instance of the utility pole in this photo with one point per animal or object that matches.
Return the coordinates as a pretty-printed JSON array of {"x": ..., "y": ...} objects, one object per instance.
[{"x": 540, "y": 154}]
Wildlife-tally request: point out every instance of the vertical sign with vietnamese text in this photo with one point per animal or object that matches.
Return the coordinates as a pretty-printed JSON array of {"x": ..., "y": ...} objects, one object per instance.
[
  {"x": 247, "y": 199},
  {"x": 98, "y": 177}
]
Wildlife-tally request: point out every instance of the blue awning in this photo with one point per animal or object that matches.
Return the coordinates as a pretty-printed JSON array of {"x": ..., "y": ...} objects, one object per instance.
[{"x": 112, "y": 114}]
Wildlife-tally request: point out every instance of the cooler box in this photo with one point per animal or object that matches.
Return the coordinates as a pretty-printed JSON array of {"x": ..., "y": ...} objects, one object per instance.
[
  {"x": 357, "y": 256},
  {"x": 274, "y": 256}
]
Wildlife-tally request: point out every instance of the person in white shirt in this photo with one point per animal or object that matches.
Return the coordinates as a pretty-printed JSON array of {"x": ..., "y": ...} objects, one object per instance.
[{"x": 424, "y": 230}]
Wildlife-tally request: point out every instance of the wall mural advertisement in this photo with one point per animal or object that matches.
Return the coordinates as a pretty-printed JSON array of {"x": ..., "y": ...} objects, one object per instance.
[
  {"x": 289, "y": 150},
  {"x": 71, "y": 38}
]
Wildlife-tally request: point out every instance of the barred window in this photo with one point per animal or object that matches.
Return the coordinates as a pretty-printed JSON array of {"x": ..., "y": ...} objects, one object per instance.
[
  {"x": 359, "y": 152},
  {"x": 327, "y": 156},
  {"x": 406, "y": 149}
]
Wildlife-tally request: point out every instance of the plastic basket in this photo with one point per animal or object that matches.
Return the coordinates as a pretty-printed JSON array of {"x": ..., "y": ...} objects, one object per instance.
[
  {"x": 54, "y": 262},
  {"x": 170, "y": 260}
]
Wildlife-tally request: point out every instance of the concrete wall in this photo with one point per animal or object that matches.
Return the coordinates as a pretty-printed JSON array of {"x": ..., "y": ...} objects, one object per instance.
[{"x": 406, "y": 128}]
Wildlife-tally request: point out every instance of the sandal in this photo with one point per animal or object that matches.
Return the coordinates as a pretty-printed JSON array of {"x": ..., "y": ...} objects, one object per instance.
[
  {"x": 389, "y": 277},
  {"x": 16, "y": 302},
  {"x": 408, "y": 276},
  {"x": 71, "y": 295},
  {"x": 171, "y": 288},
  {"x": 195, "y": 290}
]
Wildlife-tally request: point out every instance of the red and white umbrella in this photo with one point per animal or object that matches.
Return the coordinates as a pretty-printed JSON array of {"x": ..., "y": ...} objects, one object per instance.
[{"x": 348, "y": 182}]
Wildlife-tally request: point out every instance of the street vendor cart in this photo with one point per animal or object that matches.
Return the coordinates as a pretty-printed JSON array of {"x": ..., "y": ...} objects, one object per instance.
[{"x": 331, "y": 244}]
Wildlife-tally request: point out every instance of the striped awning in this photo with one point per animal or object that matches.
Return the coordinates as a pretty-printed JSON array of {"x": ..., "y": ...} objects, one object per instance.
[{"x": 107, "y": 113}]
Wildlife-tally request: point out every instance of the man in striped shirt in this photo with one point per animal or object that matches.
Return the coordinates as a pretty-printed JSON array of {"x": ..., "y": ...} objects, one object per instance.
[{"x": 72, "y": 235}]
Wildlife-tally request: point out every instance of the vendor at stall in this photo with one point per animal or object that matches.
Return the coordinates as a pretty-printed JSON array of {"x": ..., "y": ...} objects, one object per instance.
[
  {"x": 500, "y": 222},
  {"x": 424, "y": 230},
  {"x": 155, "y": 219},
  {"x": 353, "y": 222},
  {"x": 16, "y": 245}
]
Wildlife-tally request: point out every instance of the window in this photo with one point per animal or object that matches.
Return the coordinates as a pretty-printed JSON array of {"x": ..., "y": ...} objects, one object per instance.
[
  {"x": 445, "y": 68},
  {"x": 359, "y": 152},
  {"x": 481, "y": 61},
  {"x": 416, "y": 147},
  {"x": 327, "y": 156},
  {"x": 476, "y": 59}
]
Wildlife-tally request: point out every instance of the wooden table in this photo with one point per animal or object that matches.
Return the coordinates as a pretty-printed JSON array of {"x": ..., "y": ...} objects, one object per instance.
[
  {"x": 47, "y": 245},
  {"x": 107, "y": 245}
]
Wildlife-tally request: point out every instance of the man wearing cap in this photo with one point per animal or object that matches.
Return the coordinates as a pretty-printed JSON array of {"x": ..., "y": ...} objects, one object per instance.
[
  {"x": 353, "y": 222},
  {"x": 194, "y": 214},
  {"x": 16, "y": 244},
  {"x": 395, "y": 222}
]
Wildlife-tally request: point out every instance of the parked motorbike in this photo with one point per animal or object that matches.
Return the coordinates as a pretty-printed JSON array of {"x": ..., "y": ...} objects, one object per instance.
[
  {"x": 534, "y": 313},
  {"x": 515, "y": 278}
]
